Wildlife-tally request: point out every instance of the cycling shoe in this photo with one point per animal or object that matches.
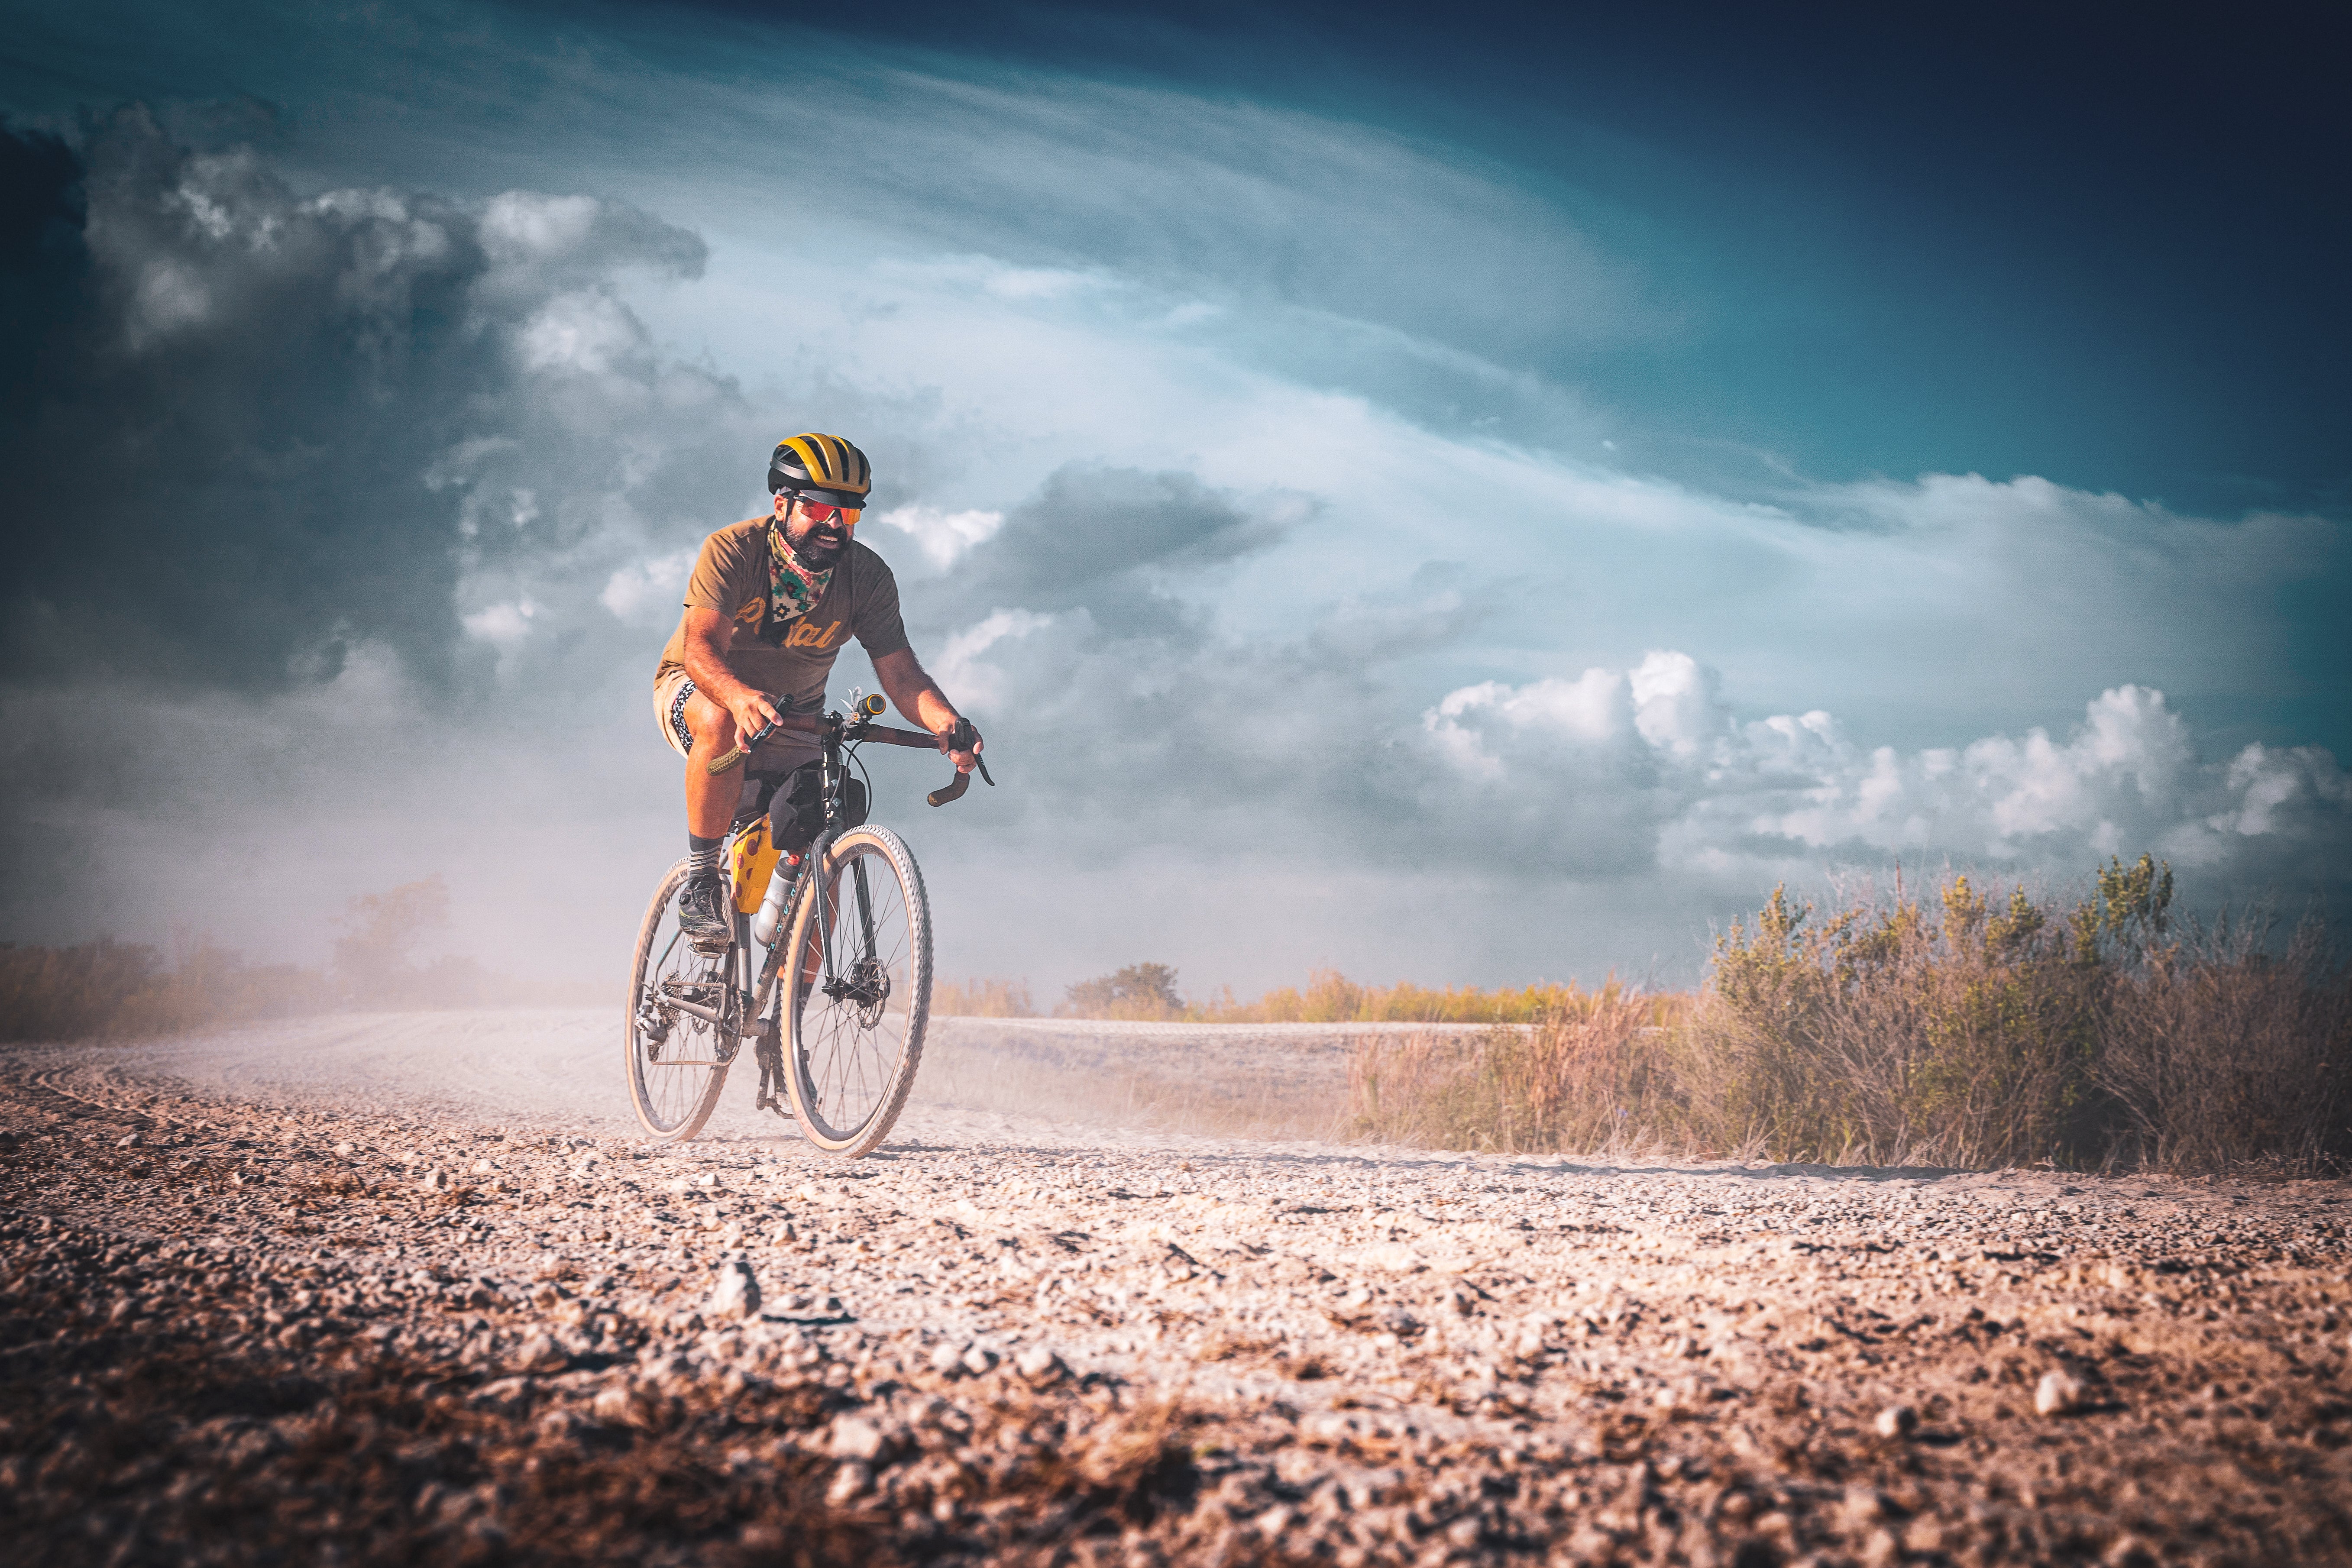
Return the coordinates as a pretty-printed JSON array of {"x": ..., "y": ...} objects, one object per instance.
[{"x": 706, "y": 914}]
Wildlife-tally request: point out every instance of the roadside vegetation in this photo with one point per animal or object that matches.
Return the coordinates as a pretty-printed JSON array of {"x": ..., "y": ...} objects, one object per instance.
[
  {"x": 106, "y": 989},
  {"x": 1960, "y": 1026},
  {"x": 1963, "y": 1025},
  {"x": 1965, "y": 1028},
  {"x": 1146, "y": 993}
]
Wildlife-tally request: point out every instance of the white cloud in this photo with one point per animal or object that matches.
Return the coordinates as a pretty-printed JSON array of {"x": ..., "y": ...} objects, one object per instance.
[
  {"x": 942, "y": 536},
  {"x": 582, "y": 334},
  {"x": 1710, "y": 792},
  {"x": 504, "y": 624},
  {"x": 962, "y": 667},
  {"x": 648, "y": 593},
  {"x": 520, "y": 227},
  {"x": 2276, "y": 789}
]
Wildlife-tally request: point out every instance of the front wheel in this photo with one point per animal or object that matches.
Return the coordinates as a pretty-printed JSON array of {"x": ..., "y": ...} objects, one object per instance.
[
  {"x": 677, "y": 1058},
  {"x": 858, "y": 991}
]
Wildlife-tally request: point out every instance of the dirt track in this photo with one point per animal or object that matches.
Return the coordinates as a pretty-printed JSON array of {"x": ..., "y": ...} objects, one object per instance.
[{"x": 382, "y": 1289}]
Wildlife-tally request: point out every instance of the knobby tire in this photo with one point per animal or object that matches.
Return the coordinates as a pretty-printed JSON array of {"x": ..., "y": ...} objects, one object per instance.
[
  {"x": 671, "y": 1103},
  {"x": 850, "y": 1059}
]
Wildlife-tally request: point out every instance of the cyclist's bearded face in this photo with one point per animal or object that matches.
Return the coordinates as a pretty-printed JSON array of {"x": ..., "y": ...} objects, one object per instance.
[{"x": 818, "y": 534}]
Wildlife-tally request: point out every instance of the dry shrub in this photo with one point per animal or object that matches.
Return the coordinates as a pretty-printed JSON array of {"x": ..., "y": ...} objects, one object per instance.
[
  {"x": 1974, "y": 1035},
  {"x": 108, "y": 989},
  {"x": 1140, "y": 993},
  {"x": 1885, "y": 1035},
  {"x": 982, "y": 999},
  {"x": 1594, "y": 1076},
  {"x": 2230, "y": 1049}
]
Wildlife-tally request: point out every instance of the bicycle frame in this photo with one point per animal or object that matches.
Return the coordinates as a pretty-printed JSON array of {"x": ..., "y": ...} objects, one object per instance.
[{"x": 838, "y": 740}]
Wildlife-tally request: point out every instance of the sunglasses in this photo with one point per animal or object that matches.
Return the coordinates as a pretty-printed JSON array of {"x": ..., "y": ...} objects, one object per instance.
[{"x": 818, "y": 512}]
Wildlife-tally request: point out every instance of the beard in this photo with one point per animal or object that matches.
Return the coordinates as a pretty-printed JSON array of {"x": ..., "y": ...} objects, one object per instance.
[{"x": 819, "y": 548}]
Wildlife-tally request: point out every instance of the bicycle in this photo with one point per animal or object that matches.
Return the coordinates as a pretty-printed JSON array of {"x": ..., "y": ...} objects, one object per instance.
[{"x": 841, "y": 1046}]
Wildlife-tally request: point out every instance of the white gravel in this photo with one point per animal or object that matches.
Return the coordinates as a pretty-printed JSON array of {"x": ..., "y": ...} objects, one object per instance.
[{"x": 1638, "y": 1356}]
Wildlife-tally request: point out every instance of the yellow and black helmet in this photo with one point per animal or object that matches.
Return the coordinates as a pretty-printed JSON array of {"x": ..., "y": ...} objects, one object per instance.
[{"x": 825, "y": 468}]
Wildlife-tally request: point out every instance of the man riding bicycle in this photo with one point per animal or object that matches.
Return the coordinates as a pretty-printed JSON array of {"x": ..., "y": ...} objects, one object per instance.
[{"x": 770, "y": 605}]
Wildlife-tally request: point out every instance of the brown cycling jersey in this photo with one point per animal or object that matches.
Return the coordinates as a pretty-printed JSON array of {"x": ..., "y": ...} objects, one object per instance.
[{"x": 791, "y": 659}]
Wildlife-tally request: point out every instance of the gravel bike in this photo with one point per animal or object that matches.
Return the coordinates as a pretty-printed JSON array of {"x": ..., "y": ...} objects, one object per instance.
[{"x": 838, "y": 1033}]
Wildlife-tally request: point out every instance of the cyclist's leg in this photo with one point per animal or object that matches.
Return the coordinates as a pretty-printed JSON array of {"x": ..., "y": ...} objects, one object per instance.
[
  {"x": 700, "y": 730},
  {"x": 711, "y": 800}
]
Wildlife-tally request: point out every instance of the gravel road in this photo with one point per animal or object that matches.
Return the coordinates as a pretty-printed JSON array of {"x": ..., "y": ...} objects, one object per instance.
[{"x": 391, "y": 1289}]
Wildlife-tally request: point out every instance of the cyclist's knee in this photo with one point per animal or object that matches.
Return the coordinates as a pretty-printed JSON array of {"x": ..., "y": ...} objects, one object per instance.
[{"x": 710, "y": 722}]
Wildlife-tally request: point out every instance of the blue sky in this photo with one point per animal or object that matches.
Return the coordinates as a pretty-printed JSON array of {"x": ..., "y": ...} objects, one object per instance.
[{"x": 1551, "y": 474}]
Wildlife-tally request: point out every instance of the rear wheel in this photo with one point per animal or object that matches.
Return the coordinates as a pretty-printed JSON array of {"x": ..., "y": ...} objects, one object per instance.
[
  {"x": 856, "y": 1002},
  {"x": 676, "y": 1059}
]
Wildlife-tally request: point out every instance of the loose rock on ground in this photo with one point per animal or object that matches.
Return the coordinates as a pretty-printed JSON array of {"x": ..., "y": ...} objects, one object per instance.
[{"x": 237, "y": 1329}]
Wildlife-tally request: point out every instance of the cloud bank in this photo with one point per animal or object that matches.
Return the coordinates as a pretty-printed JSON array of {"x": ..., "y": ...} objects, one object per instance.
[{"x": 353, "y": 520}]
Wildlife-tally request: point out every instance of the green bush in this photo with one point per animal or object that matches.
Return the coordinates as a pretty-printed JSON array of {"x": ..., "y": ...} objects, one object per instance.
[{"x": 1888, "y": 1035}]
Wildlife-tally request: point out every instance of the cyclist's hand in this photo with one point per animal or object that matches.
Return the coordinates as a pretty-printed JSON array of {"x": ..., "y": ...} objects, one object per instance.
[
  {"x": 752, "y": 712},
  {"x": 963, "y": 745}
]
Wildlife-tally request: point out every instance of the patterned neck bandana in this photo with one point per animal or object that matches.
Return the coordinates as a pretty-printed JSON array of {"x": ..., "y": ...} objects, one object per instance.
[{"x": 792, "y": 589}]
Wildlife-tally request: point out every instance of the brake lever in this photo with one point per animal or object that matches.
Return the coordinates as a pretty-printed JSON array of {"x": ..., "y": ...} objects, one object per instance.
[
  {"x": 964, "y": 736},
  {"x": 961, "y": 737}
]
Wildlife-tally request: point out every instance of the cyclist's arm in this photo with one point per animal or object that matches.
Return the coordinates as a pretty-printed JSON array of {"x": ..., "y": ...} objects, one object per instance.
[
  {"x": 914, "y": 693},
  {"x": 707, "y": 636}
]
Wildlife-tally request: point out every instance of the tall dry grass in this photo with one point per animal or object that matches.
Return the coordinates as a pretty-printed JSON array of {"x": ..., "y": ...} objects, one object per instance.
[
  {"x": 109, "y": 990},
  {"x": 982, "y": 999},
  {"x": 1330, "y": 998},
  {"x": 2231, "y": 1048},
  {"x": 1147, "y": 992},
  {"x": 1598, "y": 1074}
]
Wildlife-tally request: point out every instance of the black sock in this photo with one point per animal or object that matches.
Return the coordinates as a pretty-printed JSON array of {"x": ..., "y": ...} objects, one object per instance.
[{"x": 702, "y": 855}]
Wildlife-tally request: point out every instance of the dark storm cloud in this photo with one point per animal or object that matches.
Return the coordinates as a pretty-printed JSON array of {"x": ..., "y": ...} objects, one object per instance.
[
  {"x": 1110, "y": 541},
  {"x": 1083, "y": 633},
  {"x": 249, "y": 431}
]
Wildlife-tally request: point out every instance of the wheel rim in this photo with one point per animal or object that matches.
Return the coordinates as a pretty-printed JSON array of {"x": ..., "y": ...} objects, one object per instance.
[
  {"x": 673, "y": 1053},
  {"x": 859, "y": 1014}
]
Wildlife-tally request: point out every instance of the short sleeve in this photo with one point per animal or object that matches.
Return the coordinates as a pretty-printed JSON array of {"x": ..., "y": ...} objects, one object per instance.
[
  {"x": 712, "y": 585},
  {"x": 878, "y": 626}
]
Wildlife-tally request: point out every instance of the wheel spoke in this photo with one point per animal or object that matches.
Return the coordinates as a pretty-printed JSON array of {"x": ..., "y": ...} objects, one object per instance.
[
  {"x": 858, "y": 1033},
  {"x": 676, "y": 1059}
]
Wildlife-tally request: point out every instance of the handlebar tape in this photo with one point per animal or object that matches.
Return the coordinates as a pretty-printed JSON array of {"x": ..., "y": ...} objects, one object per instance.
[{"x": 806, "y": 723}]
